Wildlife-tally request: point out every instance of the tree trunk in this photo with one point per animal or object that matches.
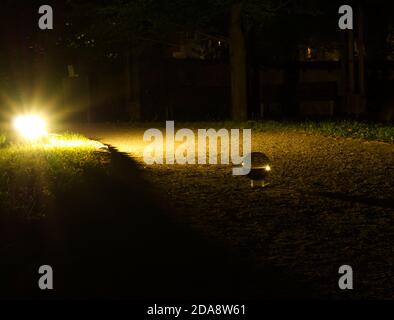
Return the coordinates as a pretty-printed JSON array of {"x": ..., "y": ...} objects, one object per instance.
[
  {"x": 361, "y": 60},
  {"x": 253, "y": 74},
  {"x": 350, "y": 56},
  {"x": 132, "y": 83},
  {"x": 350, "y": 96},
  {"x": 237, "y": 65},
  {"x": 355, "y": 95}
]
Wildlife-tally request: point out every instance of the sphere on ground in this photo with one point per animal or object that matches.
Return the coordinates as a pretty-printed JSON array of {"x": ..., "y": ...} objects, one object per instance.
[{"x": 260, "y": 166}]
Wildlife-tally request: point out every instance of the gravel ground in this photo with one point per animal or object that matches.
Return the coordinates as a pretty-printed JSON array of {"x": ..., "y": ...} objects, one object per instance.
[{"x": 330, "y": 203}]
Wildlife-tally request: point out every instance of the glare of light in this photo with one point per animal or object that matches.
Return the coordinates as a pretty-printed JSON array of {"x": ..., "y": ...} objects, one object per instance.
[
  {"x": 30, "y": 127},
  {"x": 309, "y": 53},
  {"x": 57, "y": 141},
  {"x": 267, "y": 168}
]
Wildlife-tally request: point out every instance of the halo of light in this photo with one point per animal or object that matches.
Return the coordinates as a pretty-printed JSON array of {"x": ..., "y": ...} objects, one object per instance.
[
  {"x": 30, "y": 127},
  {"x": 260, "y": 169}
]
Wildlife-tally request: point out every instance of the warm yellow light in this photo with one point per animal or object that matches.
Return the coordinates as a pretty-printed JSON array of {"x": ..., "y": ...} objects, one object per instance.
[
  {"x": 30, "y": 127},
  {"x": 59, "y": 142},
  {"x": 267, "y": 168},
  {"x": 309, "y": 53}
]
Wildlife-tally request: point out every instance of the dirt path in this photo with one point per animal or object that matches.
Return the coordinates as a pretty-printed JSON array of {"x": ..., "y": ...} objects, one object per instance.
[
  {"x": 331, "y": 203},
  {"x": 112, "y": 235}
]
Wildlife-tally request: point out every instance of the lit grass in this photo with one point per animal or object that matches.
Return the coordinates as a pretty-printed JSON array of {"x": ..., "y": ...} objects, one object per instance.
[
  {"x": 347, "y": 129},
  {"x": 2, "y": 139},
  {"x": 32, "y": 175}
]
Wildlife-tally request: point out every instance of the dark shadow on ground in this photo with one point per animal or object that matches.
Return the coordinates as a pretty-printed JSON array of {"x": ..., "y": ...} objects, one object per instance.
[
  {"x": 112, "y": 236},
  {"x": 384, "y": 203}
]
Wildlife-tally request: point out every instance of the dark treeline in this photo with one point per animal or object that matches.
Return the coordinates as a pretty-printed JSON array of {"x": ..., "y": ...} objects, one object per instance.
[{"x": 198, "y": 60}]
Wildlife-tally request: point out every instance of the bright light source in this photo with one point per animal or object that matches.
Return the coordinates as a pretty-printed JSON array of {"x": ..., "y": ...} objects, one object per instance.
[
  {"x": 260, "y": 170},
  {"x": 30, "y": 127}
]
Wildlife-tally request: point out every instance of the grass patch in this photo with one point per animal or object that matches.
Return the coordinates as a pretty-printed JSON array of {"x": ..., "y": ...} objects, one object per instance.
[
  {"x": 33, "y": 175},
  {"x": 345, "y": 128},
  {"x": 3, "y": 139}
]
